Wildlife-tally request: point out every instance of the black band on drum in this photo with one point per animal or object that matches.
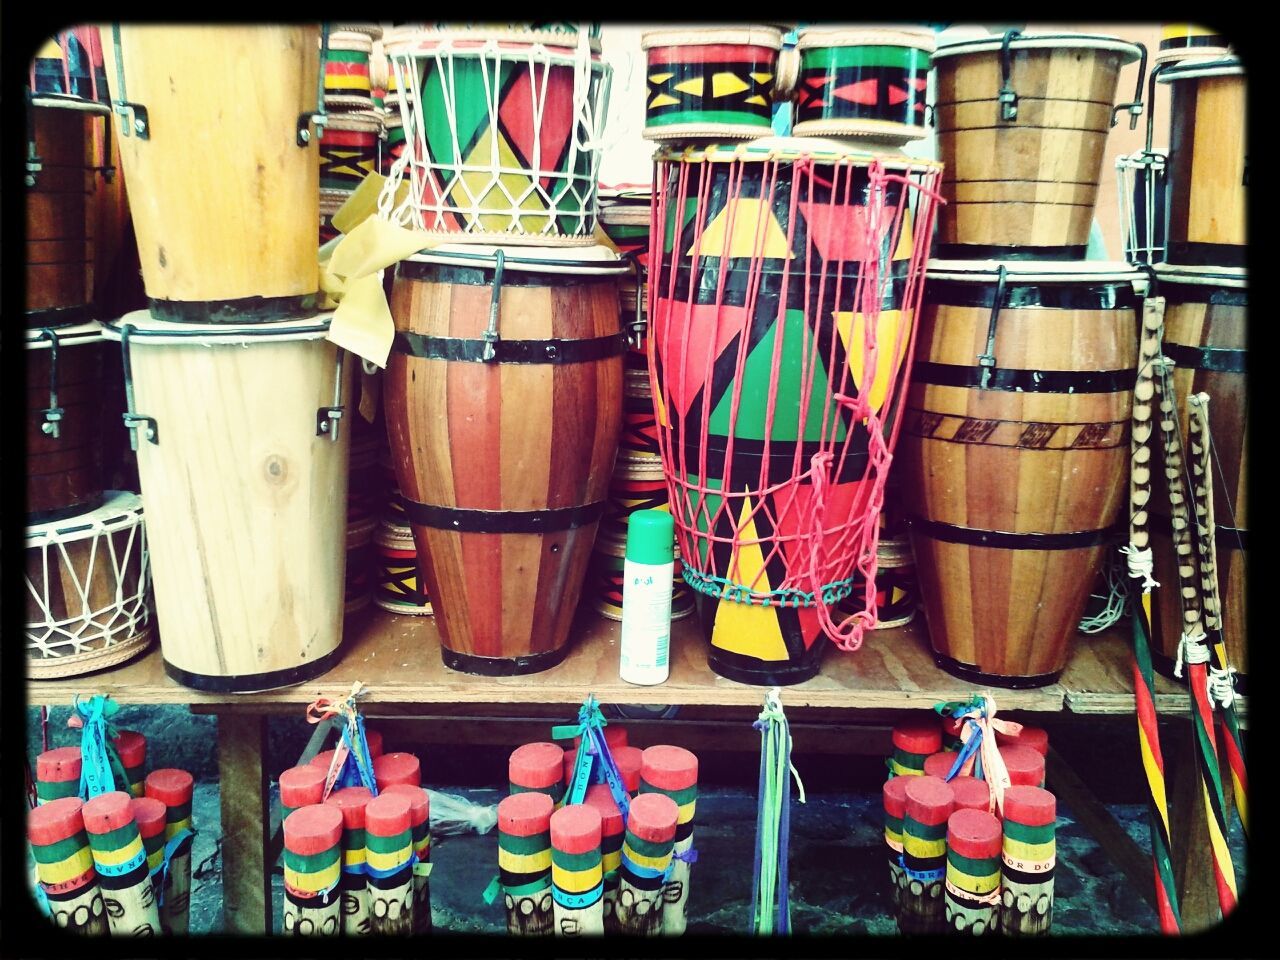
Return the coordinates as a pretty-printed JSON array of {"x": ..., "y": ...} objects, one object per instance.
[
  {"x": 971, "y": 673},
  {"x": 481, "y": 274},
  {"x": 254, "y": 682},
  {"x": 1213, "y": 359},
  {"x": 464, "y": 520},
  {"x": 57, "y": 317},
  {"x": 981, "y": 251},
  {"x": 1183, "y": 253},
  {"x": 242, "y": 310},
  {"x": 1071, "y": 295},
  {"x": 510, "y": 351},
  {"x": 1023, "y": 381},
  {"x": 1003, "y": 540}
]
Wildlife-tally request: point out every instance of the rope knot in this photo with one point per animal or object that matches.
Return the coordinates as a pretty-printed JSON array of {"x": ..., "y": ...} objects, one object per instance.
[
  {"x": 1141, "y": 565},
  {"x": 1222, "y": 686},
  {"x": 1192, "y": 649}
]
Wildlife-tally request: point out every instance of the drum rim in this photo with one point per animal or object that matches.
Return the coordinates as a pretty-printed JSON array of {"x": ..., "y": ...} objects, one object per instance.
[
  {"x": 625, "y": 214},
  {"x": 525, "y": 259},
  {"x": 118, "y": 510},
  {"x": 371, "y": 30},
  {"x": 1195, "y": 69},
  {"x": 164, "y": 332},
  {"x": 1041, "y": 41},
  {"x": 820, "y": 149},
  {"x": 366, "y": 121},
  {"x": 1034, "y": 271},
  {"x": 754, "y": 35},
  {"x": 87, "y": 332},
  {"x": 399, "y": 41},
  {"x": 826, "y": 35},
  {"x": 356, "y": 40},
  {"x": 1234, "y": 277},
  {"x": 66, "y": 101}
]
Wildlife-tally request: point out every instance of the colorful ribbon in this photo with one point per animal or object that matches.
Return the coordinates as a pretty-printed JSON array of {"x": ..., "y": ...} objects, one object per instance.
[
  {"x": 592, "y": 747},
  {"x": 100, "y": 766},
  {"x": 977, "y": 736},
  {"x": 352, "y": 745},
  {"x": 770, "y": 903}
]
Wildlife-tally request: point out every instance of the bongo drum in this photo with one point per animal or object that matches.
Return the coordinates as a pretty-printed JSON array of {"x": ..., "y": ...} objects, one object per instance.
[
  {"x": 1015, "y": 456},
  {"x": 1186, "y": 41},
  {"x": 502, "y": 133},
  {"x": 714, "y": 82},
  {"x": 1142, "y": 192},
  {"x": 64, "y": 428},
  {"x": 87, "y": 583},
  {"x": 349, "y": 149},
  {"x": 245, "y": 478},
  {"x": 1022, "y": 128},
  {"x": 862, "y": 82},
  {"x": 347, "y": 83},
  {"x": 1208, "y": 170},
  {"x": 783, "y": 300},
  {"x": 224, "y": 209},
  {"x": 1205, "y": 335},
  {"x": 503, "y": 398},
  {"x": 399, "y": 587}
]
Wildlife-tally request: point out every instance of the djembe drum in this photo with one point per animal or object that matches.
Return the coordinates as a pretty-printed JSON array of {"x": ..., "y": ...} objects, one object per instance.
[
  {"x": 1016, "y": 455},
  {"x": 502, "y": 129},
  {"x": 1142, "y": 193},
  {"x": 783, "y": 301},
  {"x": 503, "y": 397}
]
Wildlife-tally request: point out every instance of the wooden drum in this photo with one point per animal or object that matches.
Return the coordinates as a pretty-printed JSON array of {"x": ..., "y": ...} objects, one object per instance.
[
  {"x": 1022, "y": 176},
  {"x": 223, "y": 172},
  {"x": 1205, "y": 334},
  {"x": 504, "y": 439},
  {"x": 1187, "y": 41},
  {"x": 245, "y": 481},
  {"x": 1015, "y": 456}
]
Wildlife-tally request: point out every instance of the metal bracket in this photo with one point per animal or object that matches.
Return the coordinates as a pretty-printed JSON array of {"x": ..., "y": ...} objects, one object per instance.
[
  {"x": 987, "y": 361},
  {"x": 328, "y": 419},
  {"x": 132, "y": 419},
  {"x": 1007, "y": 98},
  {"x": 491, "y": 332},
  {"x": 636, "y": 337},
  {"x": 319, "y": 117},
  {"x": 930, "y": 115},
  {"x": 52, "y": 413},
  {"x": 133, "y": 116},
  {"x": 1134, "y": 108}
]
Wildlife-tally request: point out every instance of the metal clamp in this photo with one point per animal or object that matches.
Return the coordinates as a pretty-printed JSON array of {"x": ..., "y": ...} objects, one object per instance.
[
  {"x": 636, "y": 336},
  {"x": 987, "y": 361},
  {"x": 329, "y": 418},
  {"x": 52, "y": 413},
  {"x": 132, "y": 419},
  {"x": 133, "y": 116},
  {"x": 491, "y": 332},
  {"x": 106, "y": 169},
  {"x": 1007, "y": 98},
  {"x": 1134, "y": 108},
  {"x": 319, "y": 117}
]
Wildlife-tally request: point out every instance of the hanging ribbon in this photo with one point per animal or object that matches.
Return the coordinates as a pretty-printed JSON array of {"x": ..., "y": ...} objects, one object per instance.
[
  {"x": 100, "y": 765},
  {"x": 978, "y": 741},
  {"x": 351, "y": 742},
  {"x": 171, "y": 850},
  {"x": 770, "y": 901},
  {"x": 592, "y": 748}
]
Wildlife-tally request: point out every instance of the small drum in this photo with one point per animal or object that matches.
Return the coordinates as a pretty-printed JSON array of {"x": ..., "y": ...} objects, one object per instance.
[
  {"x": 1187, "y": 41},
  {"x": 1142, "y": 194},
  {"x": 357, "y": 592},
  {"x": 399, "y": 587},
  {"x": 503, "y": 133},
  {"x": 394, "y": 146},
  {"x": 70, "y": 66},
  {"x": 1022, "y": 128},
  {"x": 605, "y": 580},
  {"x": 897, "y": 594},
  {"x": 1207, "y": 168},
  {"x": 87, "y": 584},
  {"x": 783, "y": 262},
  {"x": 1016, "y": 456},
  {"x": 347, "y": 83},
  {"x": 625, "y": 220},
  {"x": 64, "y": 423},
  {"x": 222, "y": 165},
  {"x": 639, "y": 446},
  {"x": 1206, "y": 336},
  {"x": 633, "y": 487},
  {"x": 713, "y": 82},
  {"x": 862, "y": 82},
  {"x": 349, "y": 149},
  {"x": 245, "y": 478},
  {"x": 503, "y": 398}
]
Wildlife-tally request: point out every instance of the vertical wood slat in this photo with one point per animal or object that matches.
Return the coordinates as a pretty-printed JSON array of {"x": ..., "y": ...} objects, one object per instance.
[{"x": 246, "y": 822}]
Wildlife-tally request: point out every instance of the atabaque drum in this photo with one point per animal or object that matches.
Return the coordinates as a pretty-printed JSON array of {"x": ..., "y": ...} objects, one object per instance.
[
  {"x": 1206, "y": 336},
  {"x": 1208, "y": 163},
  {"x": 710, "y": 82},
  {"x": 1188, "y": 41},
  {"x": 347, "y": 78},
  {"x": 503, "y": 132},
  {"x": 242, "y": 456},
  {"x": 862, "y": 82},
  {"x": 1022, "y": 126},
  {"x": 88, "y": 590},
  {"x": 64, "y": 421},
  {"x": 221, "y": 157},
  {"x": 1015, "y": 456},
  {"x": 786, "y": 276},
  {"x": 503, "y": 398}
]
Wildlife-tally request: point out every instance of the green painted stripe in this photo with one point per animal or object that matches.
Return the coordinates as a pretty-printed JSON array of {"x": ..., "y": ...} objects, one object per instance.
[
  {"x": 905, "y": 58},
  {"x": 681, "y": 797},
  {"x": 154, "y": 843},
  {"x": 555, "y": 791},
  {"x": 893, "y": 824},
  {"x": 348, "y": 56},
  {"x": 575, "y": 861},
  {"x": 974, "y": 868},
  {"x": 911, "y": 761},
  {"x": 525, "y": 845},
  {"x": 527, "y": 889},
  {"x": 115, "y": 839},
  {"x": 312, "y": 862},
  {"x": 56, "y": 790},
  {"x": 179, "y": 813},
  {"x": 647, "y": 848},
  {"x": 914, "y": 828},
  {"x": 353, "y": 839},
  {"x": 376, "y": 844},
  {"x": 709, "y": 116},
  {"x": 1030, "y": 835},
  {"x": 57, "y": 852}
]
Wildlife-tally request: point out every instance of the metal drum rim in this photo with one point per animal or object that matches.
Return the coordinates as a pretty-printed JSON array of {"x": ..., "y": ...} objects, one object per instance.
[
  {"x": 88, "y": 332},
  {"x": 1042, "y": 41},
  {"x": 119, "y": 509},
  {"x": 1196, "y": 69},
  {"x": 148, "y": 329},
  {"x": 529, "y": 259},
  {"x": 1034, "y": 271},
  {"x": 1234, "y": 277}
]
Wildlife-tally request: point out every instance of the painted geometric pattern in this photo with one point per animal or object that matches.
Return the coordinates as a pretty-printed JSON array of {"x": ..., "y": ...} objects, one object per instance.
[
  {"x": 1026, "y": 434},
  {"x": 716, "y": 92},
  {"x": 880, "y": 83}
]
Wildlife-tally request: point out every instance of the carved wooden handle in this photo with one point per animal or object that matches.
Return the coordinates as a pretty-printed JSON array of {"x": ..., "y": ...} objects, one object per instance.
[
  {"x": 1181, "y": 516},
  {"x": 1141, "y": 425}
]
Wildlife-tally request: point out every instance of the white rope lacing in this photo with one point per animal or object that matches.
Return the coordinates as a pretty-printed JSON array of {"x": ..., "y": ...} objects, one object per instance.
[
  {"x": 1142, "y": 564},
  {"x": 1222, "y": 686},
  {"x": 1192, "y": 649}
]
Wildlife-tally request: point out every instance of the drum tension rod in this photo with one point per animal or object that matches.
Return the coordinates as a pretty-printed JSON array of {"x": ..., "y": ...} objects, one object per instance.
[
  {"x": 133, "y": 420},
  {"x": 319, "y": 118},
  {"x": 1007, "y": 98},
  {"x": 491, "y": 332},
  {"x": 329, "y": 418},
  {"x": 1134, "y": 108},
  {"x": 140, "y": 125},
  {"x": 53, "y": 413},
  {"x": 987, "y": 361}
]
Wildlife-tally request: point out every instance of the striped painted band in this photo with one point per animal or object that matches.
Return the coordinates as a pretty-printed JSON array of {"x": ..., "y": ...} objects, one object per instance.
[
  {"x": 974, "y": 867},
  {"x": 71, "y": 867},
  {"x": 922, "y": 831},
  {"x": 525, "y": 845},
  {"x": 682, "y": 797},
  {"x": 644, "y": 866},
  {"x": 72, "y": 884},
  {"x": 577, "y": 901},
  {"x": 970, "y": 883},
  {"x": 384, "y": 862},
  {"x": 375, "y": 844},
  {"x": 138, "y": 859},
  {"x": 924, "y": 876},
  {"x": 575, "y": 861},
  {"x": 59, "y": 851},
  {"x": 916, "y": 847},
  {"x": 526, "y": 863},
  {"x": 113, "y": 840},
  {"x": 313, "y": 862},
  {"x": 121, "y": 852},
  {"x": 576, "y": 881},
  {"x": 646, "y": 848},
  {"x": 1032, "y": 835},
  {"x": 641, "y": 881},
  {"x": 973, "y": 899},
  {"x": 47, "y": 790},
  {"x": 522, "y": 884},
  {"x": 311, "y": 883},
  {"x": 1032, "y": 852}
]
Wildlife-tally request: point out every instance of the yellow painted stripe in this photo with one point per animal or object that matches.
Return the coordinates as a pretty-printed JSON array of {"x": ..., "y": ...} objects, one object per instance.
[
  {"x": 902, "y": 771},
  {"x": 388, "y": 861},
  {"x": 1155, "y": 782},
  {"x": 972, "y": 884},
  {"x": 113, "y": 858},
  {"x": 349, "y": 82},
  {"x": 353, "y": 858},
  {"x": 653, "y": 863},
  {"x": 1220, "y": 850},
  {"x": 78, "y": 863},
  {"x": 576, "y": 881},
  {"x": 1033, "y": 852},
  {"x": 924, "y": 849},
  {"x": 686, "y": 813},
  {"x": 611, "y": 861},
  {"x": 524, "y": 862},
  {"x": 1242, "y": 802},
  {"x": 312, "y": 882},
  {"x": 171, "y": 830}
]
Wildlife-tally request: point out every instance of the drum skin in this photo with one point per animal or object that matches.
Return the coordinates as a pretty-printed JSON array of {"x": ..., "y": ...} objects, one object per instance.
[
  {"x": 516, "y": 438},
  {"x": 65, "y": 475},
  {"x": 224, "y": 200},
  {"x": 1026, "y": 459},
  {"x": 57, "y": 251}
]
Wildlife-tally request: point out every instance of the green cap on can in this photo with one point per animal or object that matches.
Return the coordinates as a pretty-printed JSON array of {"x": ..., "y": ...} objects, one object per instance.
[{"x": 651, "y": 537}]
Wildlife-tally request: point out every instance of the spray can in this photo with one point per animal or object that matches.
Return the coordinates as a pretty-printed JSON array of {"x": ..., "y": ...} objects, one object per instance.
[{"x": 646, "y": 598}]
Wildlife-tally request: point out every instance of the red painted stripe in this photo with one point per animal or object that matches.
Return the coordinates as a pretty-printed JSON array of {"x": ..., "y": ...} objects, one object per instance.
[
  {"x": 349, "y": 138},
  {"x": 1147, "y": 716},
  {"x": 343, "y": 68},
  {"x": 759, "y": 58}
]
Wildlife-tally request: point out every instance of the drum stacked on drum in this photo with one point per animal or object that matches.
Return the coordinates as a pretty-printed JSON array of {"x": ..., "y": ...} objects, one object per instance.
[
  {"x": 87, "y": 576},
  {"x": 503, "y": 392},
  {"x": 354, "y": 136},
  {"x": 1015, "y": 457},
  {"x": 235, "y": 398}
]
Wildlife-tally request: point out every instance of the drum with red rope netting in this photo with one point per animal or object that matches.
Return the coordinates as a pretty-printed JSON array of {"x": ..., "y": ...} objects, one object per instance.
[{"x": 787, "y": 274}]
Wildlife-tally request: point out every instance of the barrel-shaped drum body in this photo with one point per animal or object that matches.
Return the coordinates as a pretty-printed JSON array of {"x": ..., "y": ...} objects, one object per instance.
[{"x": 1015, "y": 455}]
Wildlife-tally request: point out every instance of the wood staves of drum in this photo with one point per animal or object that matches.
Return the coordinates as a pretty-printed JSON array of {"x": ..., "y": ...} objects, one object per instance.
[
  {"x": 504, "y": 437},
  {"x": 1019, "y": 462},
  {"x": 66, "y": 471},
  {"x": 57, "y": 246},
  {"x": 1032, "y": 181},
  {"x": 1207, "y": 169}
]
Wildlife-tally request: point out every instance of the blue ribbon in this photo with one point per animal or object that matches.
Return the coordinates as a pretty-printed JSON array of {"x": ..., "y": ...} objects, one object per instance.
[
  {"x": 120, "y": 869},
  {"x": 592, "y": 748},
  {"x": 357, "y": 768},
  {"x": 170, "y": 851},
  {"x": 42, "y": 901},
  {"x": 687, "y": 856},
  {"x": 100, "y": 765},
  {"x": 924, "y": 876},
  {"x": 645, "y": 872},
  {"x": 576, "y": 901},
  {"x": 968, "y": 750}
]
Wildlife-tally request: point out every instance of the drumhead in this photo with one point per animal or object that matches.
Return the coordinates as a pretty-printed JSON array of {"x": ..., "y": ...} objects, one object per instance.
[
  {"x": 1234, "y": 277},
  {"x": 67, "y": 336},
  {"x": 364, "y": 121},
  {"x": 815, "y": 38},
  {"x": 793, "y": 148},
  {"x": 1036, "y": 271},
  {"x": 1043, "y": 41},
  {"x": 1194, "y": 69},
  {"x": 595, "y": 259},
  {"x": 120, "y": 509},
  {"x": 68, "y": 102},
  {"x": 147, "y": 329},
  {"x": 705, "y": 35}
]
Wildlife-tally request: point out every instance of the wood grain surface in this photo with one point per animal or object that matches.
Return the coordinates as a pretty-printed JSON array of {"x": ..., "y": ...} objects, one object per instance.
[
  {"x": 1207, "y": 161},
  {"x": 66, "y": 471},
  {"x": 57, "y": 250}
]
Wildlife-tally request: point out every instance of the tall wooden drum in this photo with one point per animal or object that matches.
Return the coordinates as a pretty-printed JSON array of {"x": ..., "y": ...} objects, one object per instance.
[
  {"x": 1022, "y": 172},
  {"x": 503, "y": 398},
  {"x": 245, "y": 484},
  {"x": 1205, "y": 335},
  {"x": 1015, "y": 456},
  {"x": 221, "y": 157}
]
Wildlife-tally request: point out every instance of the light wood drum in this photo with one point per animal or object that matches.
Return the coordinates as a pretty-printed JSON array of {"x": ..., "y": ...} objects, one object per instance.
[
  {"x": 1022, "y": 176},
  {"x": 504, "y": 463},
  {"x": 1014, "y": 456},
  {"x": 222, "y": 162},
  {"x": 246, "y": 494}
]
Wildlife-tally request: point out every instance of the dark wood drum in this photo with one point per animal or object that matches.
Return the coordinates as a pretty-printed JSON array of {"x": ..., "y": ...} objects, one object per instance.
[
  {"x": 503, "y": 397},
  {"x": 1015, "y": 454}
]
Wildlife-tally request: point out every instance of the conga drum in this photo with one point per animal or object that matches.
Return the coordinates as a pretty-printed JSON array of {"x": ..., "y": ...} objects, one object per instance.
[
  {"x": 1015, "y": 456},
  {"x": 502, "y": 128},
  {"x": 1207, "y": 168},
  {"x": 1022, "y": 129},
  {"x": 1206, "y": 336},
  {"x": 786, "y": 277},
  {"x": 222, "y": 163},
  {"x": 244, "y": 473},
  {"x": 349, "y": 149},
  {"x": 503, "y": 397}
]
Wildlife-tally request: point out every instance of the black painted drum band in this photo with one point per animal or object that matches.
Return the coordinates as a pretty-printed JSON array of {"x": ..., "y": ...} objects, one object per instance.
[
  {"x": 1214, "y": 359},
  {"x": 56, "y": 317},
  {"x": 502, "y": 666},
  {"x": 510, "y": 351},
  {"x": 1003, "y": 540},
  {"x": 253, "y": 682},
  {"x": 971, "y": 673},
  {"x": 978, "y": 251},
  {"x": 1182, "y": 252},
  {"x": 1058, "y": 295},
  {"x": 1177, "y": 290},
  {"x": 1225, "y": 538},
  {"x": 1023, "y": 381},
  {"x": 243, "y": 310},
  {"x": 502, "y": 521}
]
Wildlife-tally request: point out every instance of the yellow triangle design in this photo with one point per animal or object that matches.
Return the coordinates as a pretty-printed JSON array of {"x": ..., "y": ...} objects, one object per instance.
[
  {"x": 477, "y": 187},
  {"x": 747, "y": 214},
  {"x": 660, "y": 77},
  {"x": 886, "y": 362},
  {"x": 898, "y": 594},
  {"x": 747, "y": 628},
  {"x": 762, "y": 77},
  {"x": 663, "y": 100},
  {"x": 723, "y": 84},
  {"x": 905, "y": 244},
  {"x": 660, "y": 409},
  {"x": 757, "y": 99},
  {"x": 693, "y": 86}
]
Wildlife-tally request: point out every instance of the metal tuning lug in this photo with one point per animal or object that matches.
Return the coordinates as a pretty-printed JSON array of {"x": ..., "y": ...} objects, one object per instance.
[
  {"x": 134, "y": 120},
  {"x": 132, "y": 419},
  {"x": 491, "y": 331},
  {"x": 329, "y": 418},
  {"x": 52, "y": 413}
]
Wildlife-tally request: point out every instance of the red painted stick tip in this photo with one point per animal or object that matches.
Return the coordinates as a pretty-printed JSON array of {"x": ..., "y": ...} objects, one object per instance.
[
  {"x": 1034, "y": 737},
  {"x": 373, "y": 738},
  {"x": 1030, "y": 806},
  {"x": 392, "y": 768},
  {"x": 894, "y": 794},
  {"x": 615, "y": 736},
  {"x": 315, "y": 828},
  {"x": 54, "y": 821},
  {"x": 630, "y": 761},
  {"x": 108, "y": 811},
  {"x": 975, "y": 834},
  {"x": 150, "y": 815},
  {"x": 352, "y": 802},
  {"x": 536, "y": 766},
  {"x": 939, "y": 764},
  {"x": 918, "y": 736},
  {"x": 971, "y": 793},
  {"x": 600, "y": 797},
  {"x": 387, "y": 815},
  {"x": 525, "y": 814},
  {"x": 576, "y": 829},
  {"x": 59, "y": 765},
  {"x": 132, "y": 747},
  {"x": 170, "y": 786},
  {"x": 652, "y": 817},
  {"x": 301, "y": 786},
  {"x": 929, "y": 800},
  {"x": 419, "y": 801},
  {"x": 669, "y": 768},
  {"x": 323, "y": 759},
  {"x": 1025, "y": 765}
]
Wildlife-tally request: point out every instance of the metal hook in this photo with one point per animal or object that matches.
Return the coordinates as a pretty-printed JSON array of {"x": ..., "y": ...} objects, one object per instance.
[
  {"x": 319, "y": 117},
  {"x": 1134, "y": 108},
  {"x": 1151, "y": 102},
  {"x": 988, "y": 360},
  {"x": 140, "y": 124},
  {"x": 132, "y": 419},
  {"x": 491, "y": 332},
  {"x": 1007, "y": 98},
  {"x": 329, "y": 418},
  {"x": 52, "y": 413}
]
